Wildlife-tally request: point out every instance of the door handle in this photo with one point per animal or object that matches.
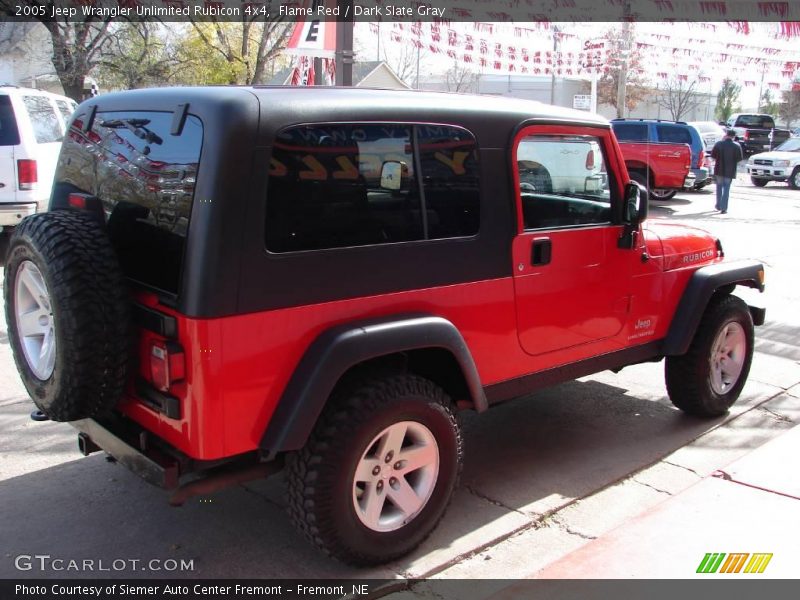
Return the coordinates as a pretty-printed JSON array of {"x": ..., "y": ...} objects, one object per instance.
[{"x": 541, "y": 251}]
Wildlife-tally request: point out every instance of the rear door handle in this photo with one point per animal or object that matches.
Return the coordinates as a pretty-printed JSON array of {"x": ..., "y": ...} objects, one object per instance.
[{"x": 541, "y": 251}]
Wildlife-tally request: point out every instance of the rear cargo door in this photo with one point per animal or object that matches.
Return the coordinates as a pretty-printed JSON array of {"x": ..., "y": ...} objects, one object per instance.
[
  {"x": 9, "y": 138},
  {"x": 571, "y": 281}
]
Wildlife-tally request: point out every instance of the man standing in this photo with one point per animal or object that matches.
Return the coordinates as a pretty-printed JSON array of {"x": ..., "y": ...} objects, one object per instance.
[{"x": 727, "y": 155}]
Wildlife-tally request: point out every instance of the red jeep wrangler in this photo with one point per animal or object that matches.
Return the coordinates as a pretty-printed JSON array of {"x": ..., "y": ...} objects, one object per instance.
[{"x": 231, "y": 280}]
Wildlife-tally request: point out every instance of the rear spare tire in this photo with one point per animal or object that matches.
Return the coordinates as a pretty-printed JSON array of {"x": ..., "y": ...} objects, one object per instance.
[{"x": 68, "y": 314}]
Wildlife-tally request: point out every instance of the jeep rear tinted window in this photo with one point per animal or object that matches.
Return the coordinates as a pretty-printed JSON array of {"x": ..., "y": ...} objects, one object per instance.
[
  {"x": 9, "y": 134},
  {"x": 343, "y": 185},
  {"x": 46, "y": 126},
  {"x": 145, "y": 179},
  {"x": 673, "y": 134},
  {"x": 630, "y": 132}
]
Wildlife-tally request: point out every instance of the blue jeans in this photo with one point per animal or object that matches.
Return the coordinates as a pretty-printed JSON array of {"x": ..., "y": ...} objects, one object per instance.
[{"x": 723, "y": 190}]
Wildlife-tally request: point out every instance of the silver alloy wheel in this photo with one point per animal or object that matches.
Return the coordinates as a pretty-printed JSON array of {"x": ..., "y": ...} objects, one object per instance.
[
  {"x": 728, "y": 354},
  {"x": 796, "y": 178},
  {"x": 396, "y": 476},
  {"x": 34, "y": 319},
  {"x": 661, "y": 193}
]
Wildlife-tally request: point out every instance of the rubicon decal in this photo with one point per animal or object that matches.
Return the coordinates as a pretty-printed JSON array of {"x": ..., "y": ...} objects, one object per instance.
[
  {"x": 698, "y": 256},
  {"x": 719, "y": 562}
]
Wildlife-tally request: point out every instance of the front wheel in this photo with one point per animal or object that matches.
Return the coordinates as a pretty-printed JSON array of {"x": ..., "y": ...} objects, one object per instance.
[
  {"x": 794, "y": 179},
  {"x": 378, "y": 472},
  {"x": 708, "y": 379},
  {"x": 758, "y": 182}
]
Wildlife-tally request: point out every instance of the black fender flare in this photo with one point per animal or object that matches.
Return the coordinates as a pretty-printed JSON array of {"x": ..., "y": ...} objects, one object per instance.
[
  {"x": 338, "y": 349},
  {"x": 702, "y": 285}
]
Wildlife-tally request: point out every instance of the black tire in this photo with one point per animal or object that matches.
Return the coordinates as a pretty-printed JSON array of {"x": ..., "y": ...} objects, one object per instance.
[
  {"x": 758, "y": 182},
  {"x": 794, "y": 179},
  {"x": 641, "y": 179},
  {"x": 88, "y": 313},
  {"x": 689, "y": 377},
  {"x": 321, "y": 478}
]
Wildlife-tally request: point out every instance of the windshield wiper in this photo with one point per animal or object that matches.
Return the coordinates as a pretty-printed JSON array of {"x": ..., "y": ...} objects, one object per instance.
[{"x": 137, "y": 126}]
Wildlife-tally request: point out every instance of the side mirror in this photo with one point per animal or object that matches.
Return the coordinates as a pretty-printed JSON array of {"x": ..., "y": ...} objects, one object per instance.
[
  {"x": 392, "y": 172},
  {"x": 636, "y": 203},
  {"x": 634, "y": 212}
]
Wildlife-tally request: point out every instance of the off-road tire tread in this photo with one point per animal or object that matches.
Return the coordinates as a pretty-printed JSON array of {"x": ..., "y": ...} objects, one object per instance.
[
  {"x": 346, "y": 412},
  {"x": 88, "y": 289},
  {"x": 686, "y": 386}
]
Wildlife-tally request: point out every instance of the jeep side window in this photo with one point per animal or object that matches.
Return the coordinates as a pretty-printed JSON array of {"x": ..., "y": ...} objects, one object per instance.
[
  {"x": 673, "y": 135},
  {"x": 449, "y": 163},
  {"x": 46, "y": 126},
  {"x": 325, "y": 188},
  {"x": 563, "y": 181}
]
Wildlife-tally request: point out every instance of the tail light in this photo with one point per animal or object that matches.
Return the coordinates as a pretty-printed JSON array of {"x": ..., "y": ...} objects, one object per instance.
[
  {"x": 590, "y": 160},
  {"x": 746, "y": 135},
  {"x": 701, "y": 160},
  {"x": 27, "y": 174},
  {"x": 77, "y": 201},
  {"x": 167, "y": 364}
]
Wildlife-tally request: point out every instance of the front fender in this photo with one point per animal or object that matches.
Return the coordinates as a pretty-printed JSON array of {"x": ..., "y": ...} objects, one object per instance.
[
  {"x": 338, "y": 349},
  {"x": 702, "y": 285}
]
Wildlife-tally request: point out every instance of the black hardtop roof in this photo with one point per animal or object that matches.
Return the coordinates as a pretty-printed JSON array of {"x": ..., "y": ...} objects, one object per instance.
[{"x": 282, "y": 106}]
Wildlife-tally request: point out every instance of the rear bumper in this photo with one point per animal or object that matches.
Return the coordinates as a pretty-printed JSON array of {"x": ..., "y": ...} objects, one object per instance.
[
  {"x": 690, "y": 181},
  {"x": 161, "y": 470},
  {"x": 12, "y": 214}
]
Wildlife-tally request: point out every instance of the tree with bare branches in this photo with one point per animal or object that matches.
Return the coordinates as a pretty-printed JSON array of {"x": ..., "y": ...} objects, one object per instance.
[
  {"x": 138, "y": 55},
  {"x": 78, "y": 42},
  {"x": 235, "y": 52},
  {"x": 789, "y": 108},
  {"x": 679, "y": 97},
  {"x": 460, "y": 78},
  {"x": 625, "y": 62}
]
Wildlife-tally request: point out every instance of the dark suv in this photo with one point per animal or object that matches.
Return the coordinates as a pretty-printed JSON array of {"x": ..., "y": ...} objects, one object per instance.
[
  {"x": 675, "y": 132},
  {"x": 231, "y": 280}
]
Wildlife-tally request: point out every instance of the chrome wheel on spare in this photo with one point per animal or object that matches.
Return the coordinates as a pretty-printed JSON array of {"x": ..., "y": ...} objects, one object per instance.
[
  {"x": 728, "y": 354},
  {"x": 34, "y": 318},
  {"x": 396, "y": 476},
  {"x": 378, "y": 471},
  {"x": 708, "y": 379}
]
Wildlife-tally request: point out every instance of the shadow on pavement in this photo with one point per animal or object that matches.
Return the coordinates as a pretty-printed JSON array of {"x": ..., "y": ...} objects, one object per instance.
[{"x": 523, "y": 458}]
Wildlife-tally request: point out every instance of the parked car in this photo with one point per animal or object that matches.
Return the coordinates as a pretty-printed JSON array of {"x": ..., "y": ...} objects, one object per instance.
[
  {"x": 233, "y": 279},
  {"x": 781, "y": 164},
  {"x": 32, "y": 124},
  {"x": 661, "y": 168},
  {"x": 675, "y": 132},
  {"x": 711, "y": 132},
  {"x": 557, "y": 165},
  {"x": 796, "y": 132},
  {"x": 757, "y": 132}
]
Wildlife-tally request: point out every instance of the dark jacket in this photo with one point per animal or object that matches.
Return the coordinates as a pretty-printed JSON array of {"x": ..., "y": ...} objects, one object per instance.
[{"x": 726, "y": 153}]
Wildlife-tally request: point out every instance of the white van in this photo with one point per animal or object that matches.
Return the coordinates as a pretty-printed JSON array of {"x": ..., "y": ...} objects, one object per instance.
[{"x": 32, "y": 125}]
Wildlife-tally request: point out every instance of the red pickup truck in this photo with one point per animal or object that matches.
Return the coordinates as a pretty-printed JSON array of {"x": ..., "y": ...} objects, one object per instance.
[{"x": 661, "y": 168}]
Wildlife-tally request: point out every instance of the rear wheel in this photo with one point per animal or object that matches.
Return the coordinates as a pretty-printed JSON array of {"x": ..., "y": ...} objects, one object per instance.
[
  {"x": 378, "y": 472},
  {"x": 759, "y": 182},
  {"x": 794, "y": 179},
  {"x": 67, "y": 314},
  {"x": 708, "y": 379}
]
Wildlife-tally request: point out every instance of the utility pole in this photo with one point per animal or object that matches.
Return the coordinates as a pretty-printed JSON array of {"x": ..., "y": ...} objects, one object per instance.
[
  {"x": 556, "y": 31},
  {"x": 625, "y": 48},
  {"x": 344, "y": 46},
  {"x": 761, "y": 88}
]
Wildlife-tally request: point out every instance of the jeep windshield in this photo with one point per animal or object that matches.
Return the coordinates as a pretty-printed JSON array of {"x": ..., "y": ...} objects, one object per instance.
[{"x": 145, "y": 179}]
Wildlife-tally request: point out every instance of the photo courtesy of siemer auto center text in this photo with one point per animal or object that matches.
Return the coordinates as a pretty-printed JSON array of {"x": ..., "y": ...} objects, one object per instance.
[{"x": 436, "y": 299}]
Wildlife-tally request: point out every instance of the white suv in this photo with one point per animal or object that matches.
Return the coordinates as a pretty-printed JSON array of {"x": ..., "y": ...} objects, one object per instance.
[{"x": 32, "y": 125}]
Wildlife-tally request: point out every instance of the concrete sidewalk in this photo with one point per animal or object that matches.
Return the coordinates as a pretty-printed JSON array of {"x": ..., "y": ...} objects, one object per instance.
[{"x": 751, "y": 506}]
